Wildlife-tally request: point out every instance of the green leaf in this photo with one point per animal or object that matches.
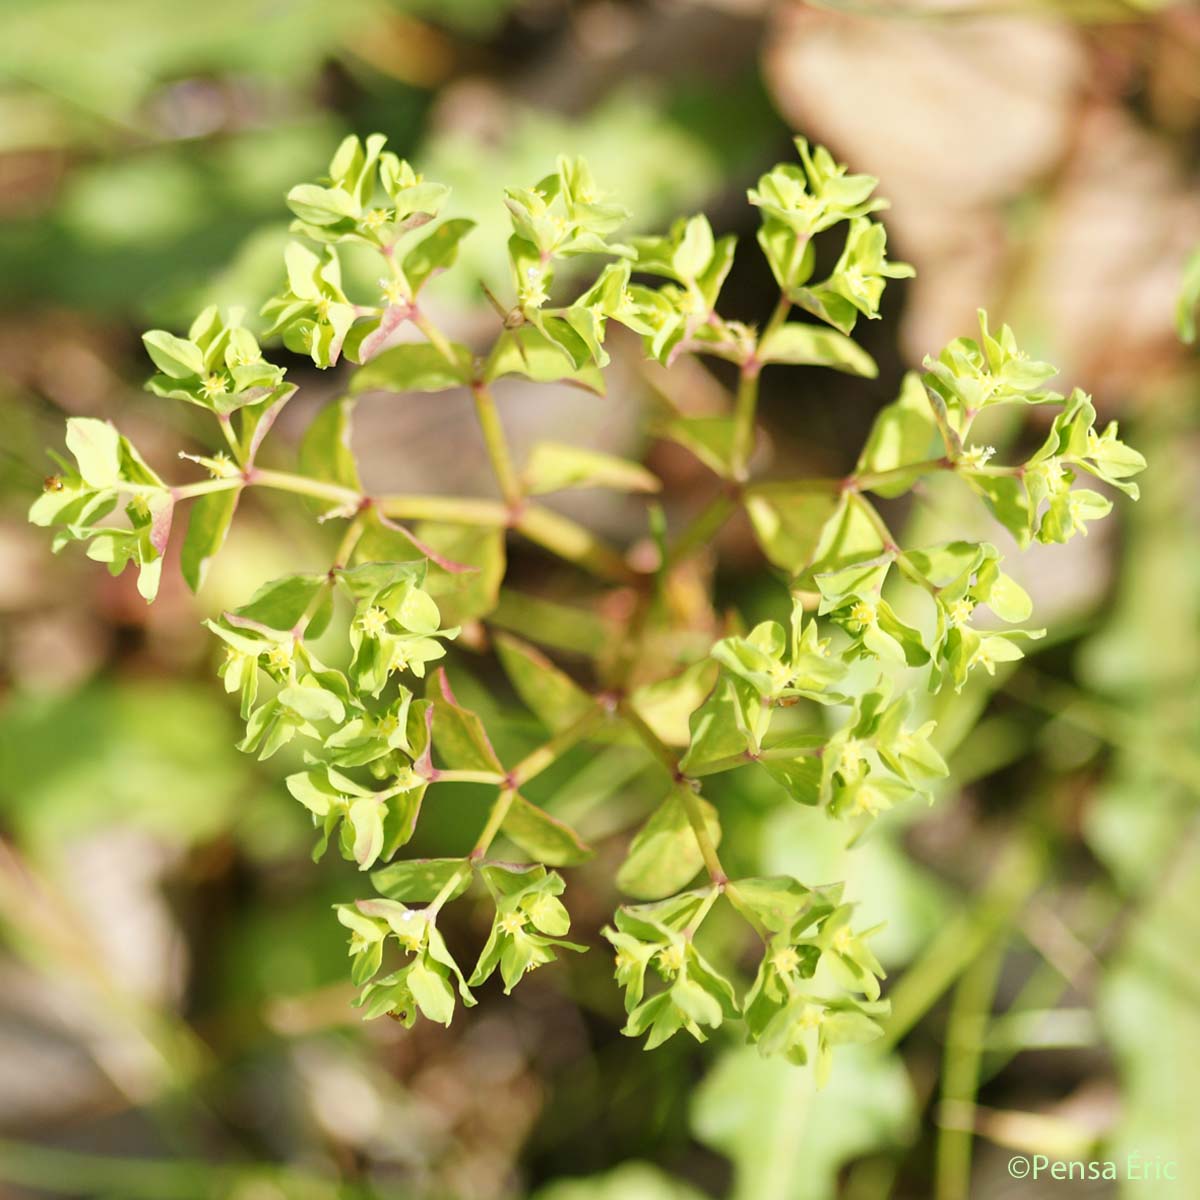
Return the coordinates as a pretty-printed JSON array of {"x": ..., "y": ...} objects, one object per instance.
[
  {"x": 667, "y": 706},
  {"x": 458, "y": 734},
  {"x": 1007, "y": 498},
  {"x": 466, "y": 595},
  {"x": 545, "y": 838},
  {"x": 553, "y": 467},
  {"x": 552, "y": 695},
  {"x": 779, "y": 901},
  {"x": 849, "y": 536},
  {"x": 96, "y": 446},
  {"x": 413, "y": 367},
  {"x": 420, "y": 880},
  {"x": 695, "y": 249},
  {"x": 809, "y": 344},
  {"x": 789, "y": 524},
  {"x": 527, "y": 351},
  {"x": 325, "y": 451},
  {"x": 279, "y": 604},
  {"x": 312, "y": 703},
  {"x": 1189, "y": 299},
  {"x": 904, "y": 432},
  {"x": 317, "y": 205},
  {"x": 435, "y": 252},
  {"x": 710, "y": 439},
  {"x": 173, "y": 356},
  {"x": 208, "y": 524},
  {"x": 365, "y": 818},
  {"x": 664, "y": 856},
  {"x": 787, "y": 1139},
  {"x": 630, "y": 1181},
  {"x": 432, "y": 992}
]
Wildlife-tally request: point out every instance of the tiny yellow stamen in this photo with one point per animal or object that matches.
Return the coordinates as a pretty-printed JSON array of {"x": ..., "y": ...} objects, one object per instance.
[
  {"x": 862, "y": 614},
  {"x": 373, "y": 622},
  {"x": 785, "y": 961},
  {"x": 214, "y": 385},
  {"x": 512, "y": 923},
  {"x": 393, "y": 291},
  {"x": 412, "y": 939},
  {"x": 868, "y": 799},
  {"x": 811, "y": 1017},
  {"x": 960, "y": 611},
  {"x": 279, "y": 656},
  {"x": 671, "y": 959}
]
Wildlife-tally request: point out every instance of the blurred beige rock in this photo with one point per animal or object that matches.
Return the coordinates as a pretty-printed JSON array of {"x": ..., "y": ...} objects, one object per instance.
[{"x": 963, "y": 117}]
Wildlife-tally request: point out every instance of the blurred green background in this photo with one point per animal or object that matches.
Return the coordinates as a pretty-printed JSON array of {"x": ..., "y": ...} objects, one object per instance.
[{"x": 174, "y": 1016}]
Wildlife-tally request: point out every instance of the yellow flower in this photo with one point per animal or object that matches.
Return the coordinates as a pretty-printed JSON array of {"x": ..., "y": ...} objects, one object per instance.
[
  {"x": 279, "y": 656},
  {"x": 785, "y": 961},
  {"x": 811, "y": 1017},
  {"x": 512, "y": 922},
  {"x": 960, "y": 611},
  {"x": 373, "y": 622},
  {"x": 214, "y": 386},
  {"x": 862, "y": 614},
  {"x": 671, "y": 958},
  {"x": 393, "y": 291}
]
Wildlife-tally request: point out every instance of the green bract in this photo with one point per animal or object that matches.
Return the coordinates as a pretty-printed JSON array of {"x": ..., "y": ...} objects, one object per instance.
[{"x": 830, "y": 707}]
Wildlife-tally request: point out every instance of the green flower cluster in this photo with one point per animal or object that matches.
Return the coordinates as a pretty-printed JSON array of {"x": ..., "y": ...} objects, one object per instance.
[
  {"x": 107, "y": 468},
  {"x": 817, "y": 983},
  {"x": 798, "y": 202},
  {"x": 834, "y": 708},
  {"x": 371, "y": 198},
  {"x": 218, "y": 366}
]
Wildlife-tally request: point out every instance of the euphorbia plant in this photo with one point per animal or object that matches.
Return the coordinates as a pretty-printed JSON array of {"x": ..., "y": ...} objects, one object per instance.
[{"x": 826, "y": 701}]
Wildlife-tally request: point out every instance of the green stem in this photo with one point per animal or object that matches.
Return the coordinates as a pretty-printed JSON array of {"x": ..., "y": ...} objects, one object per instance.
[
  {"x": 878, "y": 523},
  {"x": 436, "y": 338},
  {"x": 695, "y": 816},
  {"x": 941, "y": 416},
  {"x": 560, "y": 535},
  {"x": 965, "y": 1032},
  {"x": 497, "y": 444},
  {"x": 545, "y": 755},
  {"x": 868, "y": 481},
  {"x": 745, "y": 408},
  {"x": 189, "y": 491},
  {"x": 231, "y": 440},
  {"x": 1014, "y": 879},
  {"x": 791, "y": 487},
  {"x": 447, "y": 890},
  {"x": 703, "y": 911},
  {"x": 649, "y": 738},
  {"x": 492, "y": 777},
  {"x": 495, "y": 819},
  {"x": 686, "y": 788},
  {"x": 61, "y": 1171},
  {"x": 703, "y": 528},
  {"x": 572, "y": 542},
  {"x": 302, "y": 485},
  {"x": 453, "y": 510},
  {"x": 778, "y": 315}
]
